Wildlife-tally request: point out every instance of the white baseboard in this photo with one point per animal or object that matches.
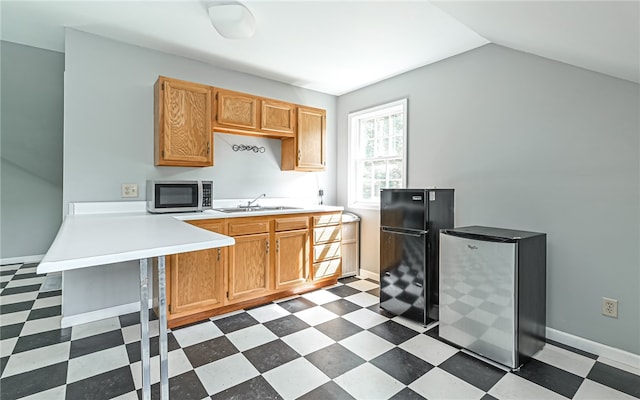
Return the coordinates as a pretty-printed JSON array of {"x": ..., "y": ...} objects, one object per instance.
[
  {"x": 596, "y": 348},
  {"x": 22, "y": 259},
  {"x": 369, "y": 275},
  {"x": 103, "y": 313}
]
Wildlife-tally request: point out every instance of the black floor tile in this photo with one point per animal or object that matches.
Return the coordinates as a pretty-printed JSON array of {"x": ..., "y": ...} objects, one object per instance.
[
  {"x": 473, "y": 371},
  {"x": 3, "y": 284},
  {"x": 343, "y": 291},
  {"x": 297, "y": 304},
  {"x": 406, "y": 394},
  {"x": 96, "y": 343},
  {"x": 10, "y": 331},
  {"x": 488, "y": 397},
  {"x": 618, "y": 379},
  {"x": 334, "y": 360},
  {"x": 102, "y": 387},
  {"x": 235, "y": 322},
  {"x": 185, "y": 386},
  {"x": 376, "y": 309},
  {"x": 20, "y": 289},
  {"x": 402, "y": 365},
  {"x": 3, "y": 363},
  {"x": 37, "y": 340},
  {"x": 393, "y": 332},
  {"x": 286, "y": 325},
  {"x": 254, "y": 389},
  {"x": 341, "y": 307},
  {"x": 338, "y": 329},
  {"x": 375, "y": 292},
  {"x": 270, "y": 355},
  {"x": 25, "y": 276},
  {"x": 16, "y": 307},
  {"x": 7, "y": 272},
  {"x": 329, "y": 390},
  {"x": 550, "y": 377},
  {"x": 134, "y": 318},
  {"x": 209, "y": 351},
  {"x": 45, "y": 312},
  {"x": 34, "y": 381},
  {"x": 573, "y": 349},
  {"x": 349, "y": 279},
  {"x": 133, "y": 349},
  {"x": 50, "y": 293}
]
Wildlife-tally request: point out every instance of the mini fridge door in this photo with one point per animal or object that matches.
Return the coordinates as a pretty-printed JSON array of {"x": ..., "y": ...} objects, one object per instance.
[{"x": 477, "y": 295}]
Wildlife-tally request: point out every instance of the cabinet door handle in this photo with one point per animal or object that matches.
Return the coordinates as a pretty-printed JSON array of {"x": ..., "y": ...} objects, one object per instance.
[
  {"x": 219, "y": 254},
  {"x": 267, "y": 247},
  {"x": 208, "y": 147},
  {"x": 277, "y": 245},
  {"x": 299, "y": 155}
]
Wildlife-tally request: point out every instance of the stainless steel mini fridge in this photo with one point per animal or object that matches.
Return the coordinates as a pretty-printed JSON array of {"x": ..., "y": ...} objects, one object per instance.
[{"x": 493, "y": 292}]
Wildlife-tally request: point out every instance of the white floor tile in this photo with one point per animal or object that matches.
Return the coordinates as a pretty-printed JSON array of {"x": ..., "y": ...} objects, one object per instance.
[
  {"x": 56, "y": 393},
  {"x": 295, "y": 378},
  {"x": 248, "y": 338},
  {"x": 41, "y": 325},
  {"x": 619, "y": 365},
  {"x": 321, "y": 297},
  {"x": 19, "y": 297},
  {"x": 14, "y": 318},
  {"x": 96, "y": 327},
  {"x": 363, "y": 299},
  {"x": 37, "y": 358},
  {"x": 26, "y": 270},
  {"x": 25, "y": 282},
  {"x": 565, "y": 359},
  {"x": 131, "y": 333},
  {"x": 513, "y": 387},
  {"x": 47, "y": 302},
  {"x": 590, "y": 390},
  {"x": 365, "y": 318},
  {"x": 315, "y": 315},
  {"x": 307, "y": 341},
  {"x": 178, "y": 364},
  {"x": 8, "y": 267},
  {"x": 127, "y": 396},
  {"x": 7, "y": 346},
  {"x": 196, "y": 333},
  {"x": 438, "y": 384},
  {"x": 363, "y": 285},
  {"x": 6, "y": 278},
  {"x": 268, "y": 312},
  {"x": 366, "y": 345},
  {"x": 416, "y": 326},
  {"x": 368, "y": 382},
  {"x": 226, "y": 373},
  {"x": 429, "y": 349},
  {"x": 217, "y": 317},
  {"x": 97, "y": 363}
]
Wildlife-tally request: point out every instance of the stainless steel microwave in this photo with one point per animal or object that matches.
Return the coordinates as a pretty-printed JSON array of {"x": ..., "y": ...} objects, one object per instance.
[{"x": 179, "y": 196}]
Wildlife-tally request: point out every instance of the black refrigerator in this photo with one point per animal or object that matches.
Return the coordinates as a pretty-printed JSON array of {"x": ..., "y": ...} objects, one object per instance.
[{"x": 410, "y": 222}]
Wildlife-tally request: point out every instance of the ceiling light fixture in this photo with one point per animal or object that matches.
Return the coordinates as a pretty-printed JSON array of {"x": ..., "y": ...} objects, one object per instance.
[{"x": 232, "y": 20}]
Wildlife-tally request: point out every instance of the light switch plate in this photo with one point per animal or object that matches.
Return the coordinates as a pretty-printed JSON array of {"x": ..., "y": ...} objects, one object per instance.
[{"x": 129, "y": 190}]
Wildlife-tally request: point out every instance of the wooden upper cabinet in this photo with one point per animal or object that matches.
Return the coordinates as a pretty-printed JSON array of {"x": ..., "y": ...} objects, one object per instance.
[
  {"x": 278, "y": 117},
  {"x": 182, "y": 123},
  {"x": 235, "y": 112},
  {"x": 307, "y": 151}
]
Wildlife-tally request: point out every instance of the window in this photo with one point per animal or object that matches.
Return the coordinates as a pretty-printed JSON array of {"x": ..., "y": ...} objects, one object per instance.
[{"x": 377, "y": 152}]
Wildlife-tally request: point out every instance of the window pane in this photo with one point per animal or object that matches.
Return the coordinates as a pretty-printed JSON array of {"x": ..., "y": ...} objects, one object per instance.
[
  {"x": 394, "y": 185},
  {"x": 395, "y": 169},
  {"x": 380, "y": 169},
  {"x": 396, "y": 124},
  {"x": 366, "y": 191},
  {"x": 382, "y": 126},
  {"x": 397, "y": 146}
]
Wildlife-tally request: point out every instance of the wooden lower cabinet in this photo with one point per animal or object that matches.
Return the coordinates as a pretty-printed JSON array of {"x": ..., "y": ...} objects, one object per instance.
[
  {"x": 249, "y": 267},
  {"x": 291, "y": 258}
]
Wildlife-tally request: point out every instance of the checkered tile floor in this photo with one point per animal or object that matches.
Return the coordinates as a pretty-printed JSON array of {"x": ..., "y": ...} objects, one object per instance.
[{"x": 328, "y": 344}]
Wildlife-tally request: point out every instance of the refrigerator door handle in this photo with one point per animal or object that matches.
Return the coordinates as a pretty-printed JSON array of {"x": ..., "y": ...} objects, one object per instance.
[{"x": 405, "y": 232}]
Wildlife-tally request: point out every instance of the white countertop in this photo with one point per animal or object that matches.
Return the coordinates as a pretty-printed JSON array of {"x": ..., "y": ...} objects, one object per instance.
[
  {"x": 86, "y": 240},
  {"x": 212, "y": 214}
]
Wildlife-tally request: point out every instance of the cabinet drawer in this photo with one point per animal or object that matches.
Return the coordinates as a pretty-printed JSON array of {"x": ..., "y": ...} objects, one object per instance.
[
  {"x": 325, "y": 234},
  {"x": 326, "y": 251},
  {"x": 327, "y": 219},
  {"x": 349, "y": 232},
  {"x": 326, "y": 268},
  {"x": 248, "y": 227},
  {"x": 290, "y": 224},
  {"x": 215, "y": 225}
]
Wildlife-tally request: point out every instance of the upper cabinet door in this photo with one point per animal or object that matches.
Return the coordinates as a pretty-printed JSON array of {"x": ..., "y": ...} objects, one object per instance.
[
  {"x": 278, "y": 117},
  {"x": 183, "y": 135},
  {"x": 235, "y": 112},
  {"x": 311, "y": 139}
]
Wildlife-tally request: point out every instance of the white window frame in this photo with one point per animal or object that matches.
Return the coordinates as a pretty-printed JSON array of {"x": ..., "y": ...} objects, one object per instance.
[{"x": 353, "y": 158}]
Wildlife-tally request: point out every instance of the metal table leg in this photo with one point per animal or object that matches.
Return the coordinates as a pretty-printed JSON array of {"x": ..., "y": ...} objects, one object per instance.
[
  {"x": 164, "y": 348},
  {"x": 144, "y": 331}
]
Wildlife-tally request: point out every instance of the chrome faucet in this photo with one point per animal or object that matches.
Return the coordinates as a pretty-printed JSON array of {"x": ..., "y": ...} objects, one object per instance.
[{"x": 256, "y": 199}]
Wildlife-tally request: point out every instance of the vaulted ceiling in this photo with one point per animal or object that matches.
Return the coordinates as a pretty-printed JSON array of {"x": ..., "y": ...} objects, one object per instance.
[{"x": 339, "y": 46}]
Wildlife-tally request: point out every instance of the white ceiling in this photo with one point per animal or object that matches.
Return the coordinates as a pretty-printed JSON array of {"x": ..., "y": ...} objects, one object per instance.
[{"x": 339, "y": 46}]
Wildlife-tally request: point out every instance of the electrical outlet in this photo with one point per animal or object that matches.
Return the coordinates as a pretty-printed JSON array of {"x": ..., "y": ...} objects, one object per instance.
[
  {"x": 129, "y": 190},
  {"x": 610, "y": 307}
]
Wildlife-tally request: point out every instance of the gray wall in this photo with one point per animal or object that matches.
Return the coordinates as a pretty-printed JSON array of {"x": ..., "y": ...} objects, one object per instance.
[
  {"x": 533, "y": 144},
  {"x": 109, "y": 141},
  {"x": 31, "y": 149}
]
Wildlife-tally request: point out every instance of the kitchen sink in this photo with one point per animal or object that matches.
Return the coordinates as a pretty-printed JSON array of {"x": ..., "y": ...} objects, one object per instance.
[{"x": 255, "y": 208}]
